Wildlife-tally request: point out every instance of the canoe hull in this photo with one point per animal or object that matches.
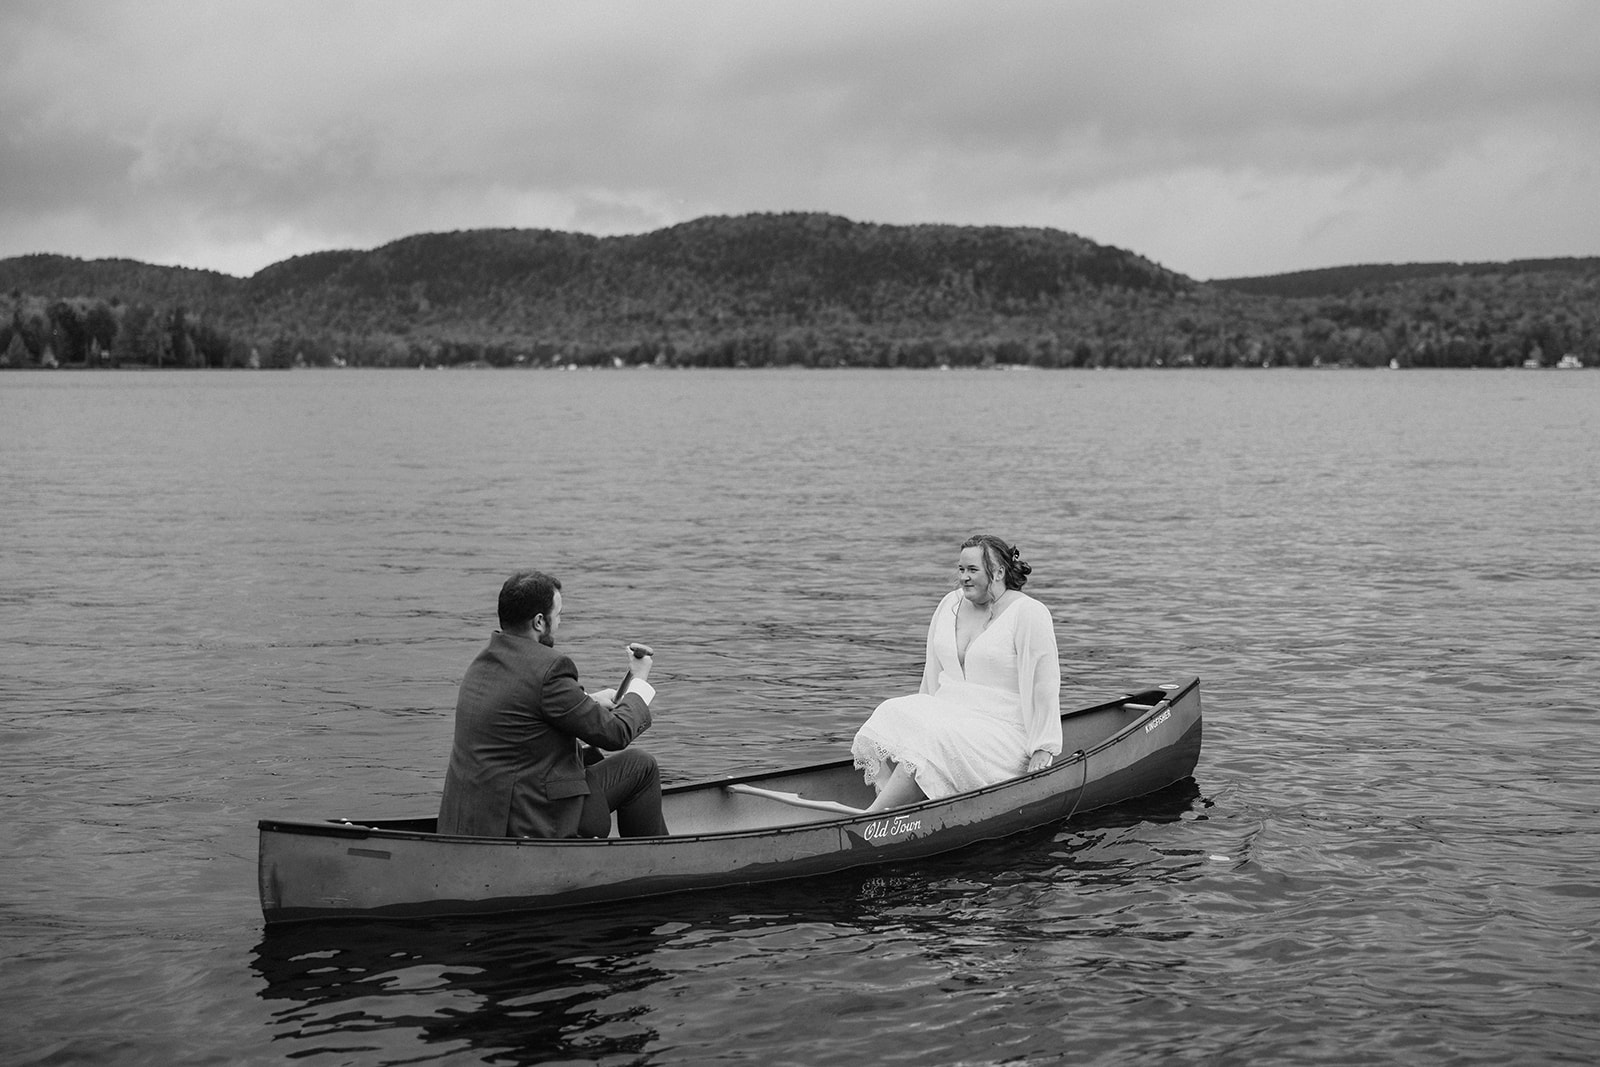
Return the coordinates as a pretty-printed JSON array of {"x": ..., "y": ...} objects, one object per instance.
[{"x": 324, "y": 869}]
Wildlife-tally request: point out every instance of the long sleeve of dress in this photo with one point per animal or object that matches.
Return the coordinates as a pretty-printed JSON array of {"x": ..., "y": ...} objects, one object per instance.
[
  {"x": 930, "y": 667},
  {"x": 1039, "y": 679}
]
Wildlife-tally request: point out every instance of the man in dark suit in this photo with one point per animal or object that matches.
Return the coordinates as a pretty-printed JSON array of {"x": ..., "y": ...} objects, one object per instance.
[{"x": 521, "y": 764}]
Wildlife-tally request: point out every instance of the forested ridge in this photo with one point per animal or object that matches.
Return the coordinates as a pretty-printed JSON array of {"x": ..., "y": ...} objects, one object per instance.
[{"x": 786, "y": 289}]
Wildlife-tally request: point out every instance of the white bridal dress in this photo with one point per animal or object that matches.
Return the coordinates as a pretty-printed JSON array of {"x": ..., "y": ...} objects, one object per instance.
[{"x": 976, "y": 723}]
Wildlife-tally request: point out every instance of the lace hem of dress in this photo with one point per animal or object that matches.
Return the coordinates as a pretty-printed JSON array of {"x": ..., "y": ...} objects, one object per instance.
[{"x": 870, "y": 757}]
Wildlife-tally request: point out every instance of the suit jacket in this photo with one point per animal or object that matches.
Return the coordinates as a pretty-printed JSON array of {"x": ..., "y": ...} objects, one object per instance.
[{"x": 516, "y": 767}]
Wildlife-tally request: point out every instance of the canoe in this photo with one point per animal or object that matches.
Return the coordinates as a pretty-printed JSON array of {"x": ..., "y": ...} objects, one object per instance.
[{"x": 728, "y": 831}]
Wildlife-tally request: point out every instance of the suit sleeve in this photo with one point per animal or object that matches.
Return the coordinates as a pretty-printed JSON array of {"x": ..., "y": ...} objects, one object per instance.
[{"x": 569, "y": 709}]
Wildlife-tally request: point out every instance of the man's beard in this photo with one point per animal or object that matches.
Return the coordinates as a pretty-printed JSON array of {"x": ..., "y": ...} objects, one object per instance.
[{"x": 547, "y": 641}]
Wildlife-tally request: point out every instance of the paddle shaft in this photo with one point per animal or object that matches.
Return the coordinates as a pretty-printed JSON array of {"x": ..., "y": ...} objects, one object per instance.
[
  {"x": 793, "y": 798},
  {"x": 639, "y": 652}
]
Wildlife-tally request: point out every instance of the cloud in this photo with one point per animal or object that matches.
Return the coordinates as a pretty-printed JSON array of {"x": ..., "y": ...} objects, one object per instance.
[{"x": 1217, "y": 137}]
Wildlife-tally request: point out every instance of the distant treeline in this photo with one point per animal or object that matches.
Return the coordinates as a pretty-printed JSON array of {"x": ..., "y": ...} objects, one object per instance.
[{"x": 794, "y": 289}]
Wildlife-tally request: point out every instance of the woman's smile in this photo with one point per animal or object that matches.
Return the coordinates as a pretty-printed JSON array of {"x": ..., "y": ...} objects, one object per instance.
[{"x": 970, "y": 575}]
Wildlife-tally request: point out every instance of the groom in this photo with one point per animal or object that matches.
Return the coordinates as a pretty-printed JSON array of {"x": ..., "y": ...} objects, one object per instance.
[{"x": 519, "y": 766}]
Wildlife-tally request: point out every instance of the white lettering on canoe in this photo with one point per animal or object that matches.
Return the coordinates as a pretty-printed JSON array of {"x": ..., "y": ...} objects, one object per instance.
[
  {"x": 1158, "y": 720},
  {"x": 895, "y": 826}
]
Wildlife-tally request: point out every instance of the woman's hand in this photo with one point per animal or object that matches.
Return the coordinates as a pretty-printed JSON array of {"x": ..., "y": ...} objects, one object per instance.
[{"x": 1039, "y": 761}]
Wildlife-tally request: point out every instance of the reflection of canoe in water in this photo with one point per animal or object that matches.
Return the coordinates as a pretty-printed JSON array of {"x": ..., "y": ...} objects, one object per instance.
[{"x": 728, "y": 831}]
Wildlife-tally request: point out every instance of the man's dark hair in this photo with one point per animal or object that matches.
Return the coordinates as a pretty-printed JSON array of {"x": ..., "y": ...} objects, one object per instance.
[{"x": 526, "y": 594}]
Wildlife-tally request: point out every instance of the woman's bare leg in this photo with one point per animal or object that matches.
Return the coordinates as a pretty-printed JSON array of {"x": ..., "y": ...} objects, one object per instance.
[{"x": 899, "y": 789}]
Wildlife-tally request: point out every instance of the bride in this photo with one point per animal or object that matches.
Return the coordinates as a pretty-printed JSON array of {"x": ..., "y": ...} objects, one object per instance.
[{"x": 990, "y": 703}]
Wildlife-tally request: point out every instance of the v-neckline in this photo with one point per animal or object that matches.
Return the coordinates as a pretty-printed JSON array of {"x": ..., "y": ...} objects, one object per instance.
[{"x": 961, "y": 655}]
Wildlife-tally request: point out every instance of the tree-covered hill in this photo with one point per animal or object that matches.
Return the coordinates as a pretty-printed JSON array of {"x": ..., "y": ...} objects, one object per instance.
[
  {"x": 766, "y": 270},
  {"x": 806, "y": 289},
  {"x": 1342, "y": 281},
  {"x": 112, "y": 279}
]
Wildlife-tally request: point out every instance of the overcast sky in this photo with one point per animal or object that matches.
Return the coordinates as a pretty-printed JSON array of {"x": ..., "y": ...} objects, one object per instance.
[{"x": 1218, "y": 138}]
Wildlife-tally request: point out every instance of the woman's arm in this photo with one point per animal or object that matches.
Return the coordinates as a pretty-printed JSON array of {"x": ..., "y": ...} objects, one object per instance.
[
  {"x": 1039, "y": 682},
  {"x": 930, "y": 664}
]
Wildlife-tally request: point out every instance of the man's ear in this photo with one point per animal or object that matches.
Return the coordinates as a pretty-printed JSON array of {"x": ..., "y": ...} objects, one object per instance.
[{"x": 538, "y": 624}]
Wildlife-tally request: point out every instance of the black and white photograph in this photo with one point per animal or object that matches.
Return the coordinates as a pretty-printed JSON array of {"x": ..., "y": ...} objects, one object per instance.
[{"x": 655, "y": 533}]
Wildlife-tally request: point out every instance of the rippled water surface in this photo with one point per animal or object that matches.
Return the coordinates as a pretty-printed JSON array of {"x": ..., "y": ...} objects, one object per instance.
[{"x": 228, "y": 596}]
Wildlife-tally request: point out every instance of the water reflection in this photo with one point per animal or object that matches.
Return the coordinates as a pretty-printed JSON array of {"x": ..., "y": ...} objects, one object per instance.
[
  {"x": 603, "y": 983},
  {"x": 525, "y": 989}
]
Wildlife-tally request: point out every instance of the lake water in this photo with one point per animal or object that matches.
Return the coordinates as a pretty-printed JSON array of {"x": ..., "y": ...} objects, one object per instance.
[{"x": 227, "y": 596}]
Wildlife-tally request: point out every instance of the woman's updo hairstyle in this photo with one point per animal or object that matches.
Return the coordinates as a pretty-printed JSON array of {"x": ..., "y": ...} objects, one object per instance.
[{"x": 1000, "y": 558}]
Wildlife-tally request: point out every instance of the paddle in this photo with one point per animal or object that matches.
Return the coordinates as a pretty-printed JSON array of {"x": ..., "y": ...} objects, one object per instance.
[
  {"x": 793, "y": 798},
  {"x": 639, "y": 652}
]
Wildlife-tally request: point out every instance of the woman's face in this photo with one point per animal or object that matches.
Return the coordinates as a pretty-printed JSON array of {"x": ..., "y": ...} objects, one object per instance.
[{"x": 970, "y": 575}]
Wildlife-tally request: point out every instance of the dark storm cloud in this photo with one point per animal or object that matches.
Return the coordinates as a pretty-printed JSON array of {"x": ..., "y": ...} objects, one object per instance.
[{"x": 1217, "y": 137}]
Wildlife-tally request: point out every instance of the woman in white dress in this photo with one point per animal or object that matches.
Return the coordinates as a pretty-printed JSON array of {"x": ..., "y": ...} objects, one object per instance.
[{"x": 990, "y": 704}]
